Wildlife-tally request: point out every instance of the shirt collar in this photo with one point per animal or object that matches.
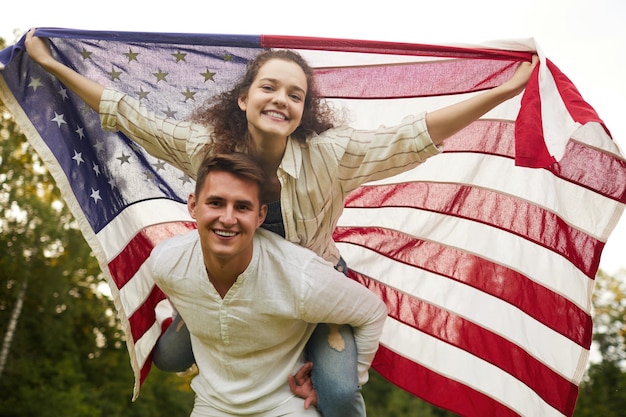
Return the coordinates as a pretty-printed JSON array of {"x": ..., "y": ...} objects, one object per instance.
[{"x": 292, "y": 159}]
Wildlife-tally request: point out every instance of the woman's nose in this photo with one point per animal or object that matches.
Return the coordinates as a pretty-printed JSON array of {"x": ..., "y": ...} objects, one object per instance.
[{"x": 280, "y": 98}]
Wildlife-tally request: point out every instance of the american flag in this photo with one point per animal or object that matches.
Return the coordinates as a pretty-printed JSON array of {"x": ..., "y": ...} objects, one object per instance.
[{"x": 485, "y": 255}]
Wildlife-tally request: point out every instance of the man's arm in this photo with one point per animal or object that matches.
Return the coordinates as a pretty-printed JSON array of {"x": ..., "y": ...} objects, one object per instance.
[{"x": 331, "y": 297}]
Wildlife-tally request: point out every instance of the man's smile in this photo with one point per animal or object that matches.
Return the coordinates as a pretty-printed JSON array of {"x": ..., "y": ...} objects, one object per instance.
[{"x": 224, "y": 233}]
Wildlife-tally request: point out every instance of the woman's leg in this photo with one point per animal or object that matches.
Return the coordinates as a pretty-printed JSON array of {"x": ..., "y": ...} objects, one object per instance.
[
  {"x": 172, "y": 352},
  {"x": 332, "y": 350}
]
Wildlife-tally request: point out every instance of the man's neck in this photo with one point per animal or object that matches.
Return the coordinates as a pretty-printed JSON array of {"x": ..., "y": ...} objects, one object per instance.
[{"x": 223, "y": 273}]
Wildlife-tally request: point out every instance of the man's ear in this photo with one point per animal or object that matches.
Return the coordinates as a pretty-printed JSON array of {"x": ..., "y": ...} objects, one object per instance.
[
  {"x": 242, "y": 101},
  {"x": 191, "y": 205},
  {"x": 262, "y": 214}
]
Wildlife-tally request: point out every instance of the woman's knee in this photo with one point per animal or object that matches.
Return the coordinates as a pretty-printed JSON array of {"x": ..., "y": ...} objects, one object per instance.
[{"x": 173, "y": 352}]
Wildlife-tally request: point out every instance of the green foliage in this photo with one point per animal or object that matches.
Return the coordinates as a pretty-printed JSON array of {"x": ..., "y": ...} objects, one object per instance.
[
  {"x": 67, "y": 355},
  {"x": 603, "y": 392},
  {"x": 383, "y": 399}
]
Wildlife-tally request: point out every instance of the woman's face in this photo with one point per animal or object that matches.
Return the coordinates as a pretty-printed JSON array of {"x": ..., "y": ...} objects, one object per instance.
[{"x": 274, "y": 103}]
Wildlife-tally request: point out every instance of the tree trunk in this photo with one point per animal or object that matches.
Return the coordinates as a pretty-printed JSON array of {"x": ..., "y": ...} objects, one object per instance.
[{"x": 8, "y": 336}]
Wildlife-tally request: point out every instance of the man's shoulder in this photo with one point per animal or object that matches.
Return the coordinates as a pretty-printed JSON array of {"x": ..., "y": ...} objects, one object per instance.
[
  {"x": 291, "y": 255},
  {"x": 178, "y": 242},
  {"x": 173, "y": 253},
  {"x": 272, "y": 242}
]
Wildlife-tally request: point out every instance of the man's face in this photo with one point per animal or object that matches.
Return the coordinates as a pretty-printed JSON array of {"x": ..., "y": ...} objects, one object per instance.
[{"x": 227, "y": 212}]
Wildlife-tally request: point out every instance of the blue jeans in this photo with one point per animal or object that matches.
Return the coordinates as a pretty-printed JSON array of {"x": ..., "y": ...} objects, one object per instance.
[
  {"x": 335, "y": 373},
  {"x": 172, "y": 352}
]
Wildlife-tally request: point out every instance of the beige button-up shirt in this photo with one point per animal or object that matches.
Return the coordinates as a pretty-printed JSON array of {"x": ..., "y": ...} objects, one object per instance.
[{"x": 316, "y": 175}]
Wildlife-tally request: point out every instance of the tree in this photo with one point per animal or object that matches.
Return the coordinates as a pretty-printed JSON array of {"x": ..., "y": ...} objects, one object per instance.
[
  {"x": 603, "y": 391},
  {"x": 383, "y": 399},
  {"x": 63, "y": 352}
]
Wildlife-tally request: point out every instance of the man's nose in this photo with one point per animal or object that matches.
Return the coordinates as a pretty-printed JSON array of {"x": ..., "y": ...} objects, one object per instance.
[{"x": 228, "y": 216}]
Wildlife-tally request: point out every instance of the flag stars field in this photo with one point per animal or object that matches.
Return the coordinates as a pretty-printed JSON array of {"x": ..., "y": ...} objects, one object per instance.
[
  {"x": 86, "y": 54},
  {"x": 170, "y": 113},
  {"x": 95, "y": 194},
  {"x": 58, "y": 119},
  {"x": 208, "y": 75},
  {"x": 35, "y": 83},
  {"x": 189, "y": 95},
  {"x": 63, "y": 93},
  {"x": 159, "y": 165},
  {"x": 115, "y": 75},
  {"x": 180, "y": 56},
  {"x": 132, "y": 56},
  {"x": 78, "y": 157},
  {"x": 141, "y": 94},
  {"x": 160, "y": 76},
  {"x": 124, "y": 159}
]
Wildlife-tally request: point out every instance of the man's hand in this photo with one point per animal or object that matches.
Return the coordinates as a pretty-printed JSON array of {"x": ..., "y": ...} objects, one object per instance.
[{"x": 301, "y": 385}]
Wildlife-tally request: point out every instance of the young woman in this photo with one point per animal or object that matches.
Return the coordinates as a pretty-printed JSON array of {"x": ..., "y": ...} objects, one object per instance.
[{"x": 275, "y": 116}]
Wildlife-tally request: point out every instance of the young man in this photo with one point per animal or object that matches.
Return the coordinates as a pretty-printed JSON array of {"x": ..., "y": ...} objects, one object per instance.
[{"x": 251, "y": 299}]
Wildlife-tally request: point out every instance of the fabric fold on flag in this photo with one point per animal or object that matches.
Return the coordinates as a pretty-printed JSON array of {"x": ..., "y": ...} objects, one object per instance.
[{"x": 485, "y": 255}]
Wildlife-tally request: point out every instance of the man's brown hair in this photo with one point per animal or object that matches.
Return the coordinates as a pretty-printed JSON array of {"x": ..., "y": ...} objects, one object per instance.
[{"x": 236, "y": 163}]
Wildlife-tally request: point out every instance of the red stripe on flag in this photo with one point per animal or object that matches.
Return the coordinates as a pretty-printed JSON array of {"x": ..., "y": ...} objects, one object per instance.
[
  {"x": 480, "y": 342},
  {"x": 436, "y": 388},
  {"x": 145, "y": 316},
  {"x": 581, "y": 164},
  {"x": 578, "y": 108},
  {"x": 590, "y": 168},
  {"x": 126, "y": 264},
  {"x": 491, "y": 137},
  {"x": 551, "y": 309},
  {"x": 145, "y": 370},
  {"x": 488, "y": 207},
  {"x": 389, "y": 48},
  {"x": 530, "y": 146},
  {"x": 398, "y": 80}
]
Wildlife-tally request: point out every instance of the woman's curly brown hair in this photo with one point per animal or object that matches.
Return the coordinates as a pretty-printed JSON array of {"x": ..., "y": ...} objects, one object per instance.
[{"x": 230, "y": 126}]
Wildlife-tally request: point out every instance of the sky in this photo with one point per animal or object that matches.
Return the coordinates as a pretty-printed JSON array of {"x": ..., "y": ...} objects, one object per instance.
[{"x": 586, "y": 39}]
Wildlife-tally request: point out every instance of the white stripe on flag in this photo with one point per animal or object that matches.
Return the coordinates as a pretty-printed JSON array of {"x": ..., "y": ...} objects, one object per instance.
[
  {"x": 555, "y": 351},
  {"x": 466, "y": 368},
  {"x": 136, "y": 217},
  {"x": 569, "y": 200},
  {"x": 477, "y": 238}
]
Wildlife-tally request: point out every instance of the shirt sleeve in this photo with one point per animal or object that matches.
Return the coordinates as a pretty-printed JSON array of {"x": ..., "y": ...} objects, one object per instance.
[
  {"x": 370, "y": 155},
  {"x": 181, "y": 143},
  {"x": 331, "y": 297}
]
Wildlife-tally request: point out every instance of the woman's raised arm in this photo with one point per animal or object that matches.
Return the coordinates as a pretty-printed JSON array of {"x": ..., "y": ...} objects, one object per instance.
[
  {"x": 88, "y": 90},
  {"x": 445, "y": 122}
]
